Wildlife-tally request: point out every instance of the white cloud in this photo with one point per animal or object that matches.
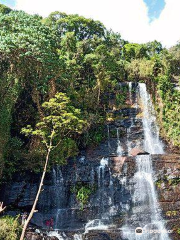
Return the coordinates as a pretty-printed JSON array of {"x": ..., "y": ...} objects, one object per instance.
[
  {"x": 166, "y": 27},
  {"x": 129, "y": 17}
]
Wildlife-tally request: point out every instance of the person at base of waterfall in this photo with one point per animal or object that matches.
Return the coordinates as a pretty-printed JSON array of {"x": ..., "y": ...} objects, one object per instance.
[{"x": 50, "y": 224}]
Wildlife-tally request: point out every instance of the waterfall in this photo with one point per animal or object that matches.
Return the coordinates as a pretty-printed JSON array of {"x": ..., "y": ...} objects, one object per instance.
[
  {"x": 119, "y": 148},
  {"x": 104, "y": 199},
  {"x": 108, "y": 131},
  {"x": 78, "y": 237},
  {"x": 130, "y": 93},
  {"x": 146, "y": 213},
  {"x": 101, "y": 176},
  {"x": 152, "y": 143},
  {"x": 59, "y": 195},
  {"x": 57, "y": 235},
  {"x": 140, "y": 201},
  {"x": 98, "y": 223},
  {"x": 131, "y": 120}
]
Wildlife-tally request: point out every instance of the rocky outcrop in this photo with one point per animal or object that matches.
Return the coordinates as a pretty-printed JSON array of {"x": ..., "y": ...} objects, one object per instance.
[
  {"x": 167, "y": 175},
  {"x": 103, "y": 235},
  {"x": 38, "y": 236}
]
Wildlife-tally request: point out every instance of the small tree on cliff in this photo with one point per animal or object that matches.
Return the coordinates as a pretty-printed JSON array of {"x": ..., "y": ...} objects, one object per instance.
[{"x": 60, "y": 120}]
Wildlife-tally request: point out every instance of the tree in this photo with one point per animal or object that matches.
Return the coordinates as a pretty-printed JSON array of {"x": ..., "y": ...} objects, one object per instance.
[
  {"x": 134, "y": 51},
  {"x": 154, "y": 48},
  {"x": 60, "y": 120},
  {"x": 27, "y": 60},
  {"x": 4, "y": 9},
  {"x": 82, "y": 27},
  {"x": 175, "y": 59}
]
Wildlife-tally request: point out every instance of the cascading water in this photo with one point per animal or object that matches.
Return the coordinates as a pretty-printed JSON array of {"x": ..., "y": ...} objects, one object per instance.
[
  {"x": 103, "y": 221},
  {"x": 57, "y": 235},
  {"x": 63, "y": 236},
  {"x": 101, "y": 172},
  {"x": 119, "y": 148},
  {"x": 152, "y": 143},
  {"x": 130, "y": 93},
  {"x": 146, "y": 213},
  {"x": 59, "y": 191},
  {"x": 131, "y": 120},
  {"x": 109, "y": 145}
]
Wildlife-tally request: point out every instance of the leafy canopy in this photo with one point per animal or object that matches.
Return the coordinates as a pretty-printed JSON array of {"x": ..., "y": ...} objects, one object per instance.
[
  {"x": 60, "y": 120},
  {"x": 82, "y": 27}
]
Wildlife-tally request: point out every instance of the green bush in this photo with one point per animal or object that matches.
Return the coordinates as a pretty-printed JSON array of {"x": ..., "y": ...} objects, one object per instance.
[
  {"x": 83, "y": 192},
  {"x": 169, "y": 113},
  {"x": 178, "y": 231},
  {"x": 9, "y": 228}
]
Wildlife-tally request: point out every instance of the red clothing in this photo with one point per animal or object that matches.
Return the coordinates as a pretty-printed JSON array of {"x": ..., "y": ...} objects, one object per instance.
[
  {"x": 51, "y": 222},
  {"x": 47, "y": 223}
]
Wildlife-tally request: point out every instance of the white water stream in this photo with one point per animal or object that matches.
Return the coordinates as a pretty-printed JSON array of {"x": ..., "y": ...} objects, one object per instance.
[
  {"x": 119, "y": 147},
  {"x": 147, "y": 214},
  {"x": 152, "y": 143}
]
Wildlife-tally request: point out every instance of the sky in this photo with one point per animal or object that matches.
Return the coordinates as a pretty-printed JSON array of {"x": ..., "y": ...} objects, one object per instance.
[
  {"x": 155, "y": 8},
  {"x": 136, "y": 20}
]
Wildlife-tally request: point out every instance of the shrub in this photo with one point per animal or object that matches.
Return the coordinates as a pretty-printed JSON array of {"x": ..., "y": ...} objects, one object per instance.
[
  {"x": 9, "y": 228},
  {"x": 83, "y": 192}
]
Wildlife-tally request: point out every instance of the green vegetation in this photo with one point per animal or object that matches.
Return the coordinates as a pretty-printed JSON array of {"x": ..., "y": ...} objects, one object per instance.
[
  {"x": 4, "y": 9},
  {"x": 158, "y": 183},
  {"x": 39, "y": 58},
  {"x": 83, "y": 192},
  {"x": 9, "y": 228},
  {"x": 171, "y": 213},
  {"x": 174, "y": 181},
  {"x": 168, "y": 182},
  {"x": 57, "y": 79},
  {"x": 84, "y": 62}
]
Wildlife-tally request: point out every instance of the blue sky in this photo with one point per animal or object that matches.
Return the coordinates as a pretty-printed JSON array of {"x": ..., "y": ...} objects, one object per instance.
[
  {"x": 155, "y": 8},
  {"x": 136, "y": 20},
  {"x": 10, "y": 3}
]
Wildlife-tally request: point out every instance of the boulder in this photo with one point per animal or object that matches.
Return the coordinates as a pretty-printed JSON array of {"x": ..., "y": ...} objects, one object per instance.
[
  {"x": 137, "y": 151},
  {"x": 118, "y": 163},
  {"x": 31, "y": 235}
]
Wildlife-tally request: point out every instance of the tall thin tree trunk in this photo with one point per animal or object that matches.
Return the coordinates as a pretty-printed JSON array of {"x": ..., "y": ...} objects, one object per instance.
[
  {"x": 99, "y": 89},
  {"x": 37, "y": 197}
]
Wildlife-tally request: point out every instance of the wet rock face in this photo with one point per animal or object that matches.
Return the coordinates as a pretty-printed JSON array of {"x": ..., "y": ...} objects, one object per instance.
[
  {"x": 167, "y": 180},
  {"x": 32, "y": 235},
  {"x": 137, "y": 151},
  {"x": 58, "y": 200},
  {"x": 103, "y": 235}
]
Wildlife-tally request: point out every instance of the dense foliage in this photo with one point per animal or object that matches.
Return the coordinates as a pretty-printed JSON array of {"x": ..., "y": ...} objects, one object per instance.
[
  {"x": 42, "y": 57},
  {"x": 83, "y": 192},
  {"x": 9, "y": 228},
  {"x": 81, "y": 60},
  {"x": 60, "y": 122}
]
